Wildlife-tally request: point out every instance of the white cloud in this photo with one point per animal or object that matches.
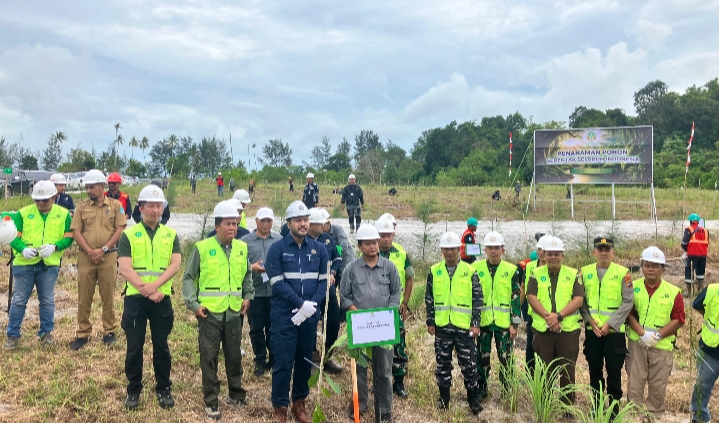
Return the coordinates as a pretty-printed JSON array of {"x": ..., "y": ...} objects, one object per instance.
[{"x": 650, "y": 35}]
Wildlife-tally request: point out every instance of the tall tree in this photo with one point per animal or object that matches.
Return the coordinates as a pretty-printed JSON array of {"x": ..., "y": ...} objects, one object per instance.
[
  {"x": 52, "y": 154},
  {"x": 344, "y": 147},
  {"x": 134, "y": 143},
  {"x": 277, "y": 153},
  {"x": 321, "y": 153},
  {"x": 365, "y": 141},
  {"x": 144, "y": 145},
  {"x": 7, "y": 152}
]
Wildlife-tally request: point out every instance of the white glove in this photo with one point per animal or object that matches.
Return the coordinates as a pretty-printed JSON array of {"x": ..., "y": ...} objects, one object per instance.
[
  {"x": 649, "y": 339},
  {"x": 29, "y": 253},
  {"x": 298, "y": 318},
  {"x": 46, "y": 250},
  {"x": 308, "y": 309}
]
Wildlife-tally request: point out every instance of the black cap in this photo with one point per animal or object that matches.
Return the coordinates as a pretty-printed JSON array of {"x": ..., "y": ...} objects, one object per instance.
[
  {"x": 601, "y": 241},
  {"x": 538, "y": 235}
]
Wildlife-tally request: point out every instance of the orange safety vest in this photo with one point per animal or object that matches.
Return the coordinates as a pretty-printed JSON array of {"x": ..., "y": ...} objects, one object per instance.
[
  {"x": 699, "y": 242},
  {"x": 463, "y": 247},
  {"x": 123, "y": 200}
]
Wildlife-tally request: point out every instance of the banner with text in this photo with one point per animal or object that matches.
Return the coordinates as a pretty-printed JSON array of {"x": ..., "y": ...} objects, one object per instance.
[{"x": 594, "y": 156}]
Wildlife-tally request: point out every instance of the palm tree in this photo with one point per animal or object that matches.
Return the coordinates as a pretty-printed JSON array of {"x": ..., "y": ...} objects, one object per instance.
[
  {"x": 134, "y": 142},
  {"x": 118, "y": 140}
]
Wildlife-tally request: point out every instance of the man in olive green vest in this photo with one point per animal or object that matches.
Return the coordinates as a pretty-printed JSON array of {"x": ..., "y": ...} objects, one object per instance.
[
  {"x": 707, "y": 304},
  {"x": 608, "y": 299},
  {"x": 398, "y": 256},
  {"x": 43, "y": 231},
  {"x": 501, "y": 313},
  {"x": 653, "y": 324},
  {"x": 555, "y": 294},
  {"x": 217, "y": 287},
  {"x": 148, "y": 255}
]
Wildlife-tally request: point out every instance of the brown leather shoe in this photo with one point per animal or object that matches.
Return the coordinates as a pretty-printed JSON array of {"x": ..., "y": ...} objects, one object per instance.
[
  {"x": 280, "y": 414},
  {"x": 299, "y": 411}
]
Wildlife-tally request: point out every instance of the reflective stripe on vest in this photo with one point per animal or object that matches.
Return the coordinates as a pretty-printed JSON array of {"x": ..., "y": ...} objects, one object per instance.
[
  {"x": 452, "y": 298},
  {"x": 655, "y": 312},
  {"x": 220, "y": 281},
  {"x": 710, "y": 328},
  {"x": 463, "y": 246},
  {"x": 37, "y": 232},
  {"x": 698, "y": 247},
  {"x": 497, "y": 293},
  {"x": 150, "y": 259},
  {"x": 562, "y": 297},
  {"x": 603, "y": 297},
  {"x": 399, "y": 258}
]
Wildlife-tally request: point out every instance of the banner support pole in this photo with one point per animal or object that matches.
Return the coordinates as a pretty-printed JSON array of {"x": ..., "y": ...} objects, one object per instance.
[
  {"x": 614, "y": 205},
  {"x": 571, "y": 194}
]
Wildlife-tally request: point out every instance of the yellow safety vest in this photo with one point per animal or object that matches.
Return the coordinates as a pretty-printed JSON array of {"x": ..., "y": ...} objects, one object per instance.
[
  {"x": 397, "y": 246},
  {"x": 497, "y": 293},
  {"x": 655, "y": 312},
  {"x": 150, "y": 259},
  {"x": 399, "y": 258},
  {"x": 243, "y": 220},
  {"x": 603, "y": 297},
  {"x": 37, "y": 232},
  {"x": 527, "y": 273},
  {"x": 220, "y": 281},
  {"x": 452, "y": 298},
  {"x": 562, "y": 297},
  {"x": 710, "y": 328}
]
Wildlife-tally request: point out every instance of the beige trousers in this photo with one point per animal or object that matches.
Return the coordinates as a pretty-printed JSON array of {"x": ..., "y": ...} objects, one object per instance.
[
  {"x": 648, "y": 366},
  {"x": 90, "y": 276}
]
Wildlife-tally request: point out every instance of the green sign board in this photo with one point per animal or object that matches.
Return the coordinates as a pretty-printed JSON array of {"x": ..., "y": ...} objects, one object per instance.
[
  {"x": 7, "y": 171},
  {"x": 373, "y": 327}
]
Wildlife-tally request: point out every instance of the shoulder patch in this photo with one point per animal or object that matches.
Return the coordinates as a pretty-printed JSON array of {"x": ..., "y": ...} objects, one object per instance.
[{"x": 628, "y": 280}]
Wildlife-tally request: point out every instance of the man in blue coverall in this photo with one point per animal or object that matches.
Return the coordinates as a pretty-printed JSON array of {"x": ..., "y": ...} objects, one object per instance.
[{"x": 297, "y": 269}]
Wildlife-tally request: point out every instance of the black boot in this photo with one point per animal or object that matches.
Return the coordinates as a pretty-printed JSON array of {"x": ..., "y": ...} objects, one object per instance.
[
  {"x": 443, "y": 400},
  {"x": 398, "y": 387},
  {"x": 482, "y": 391},
  {"x": 475, "y": 403}
]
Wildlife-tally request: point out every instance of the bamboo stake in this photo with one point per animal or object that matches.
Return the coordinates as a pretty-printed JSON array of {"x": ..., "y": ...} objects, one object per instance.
[{"x": 324, "y": 335}]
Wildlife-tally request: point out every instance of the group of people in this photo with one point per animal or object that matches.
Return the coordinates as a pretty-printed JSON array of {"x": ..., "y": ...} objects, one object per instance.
[{"x": 280, "y": 283}]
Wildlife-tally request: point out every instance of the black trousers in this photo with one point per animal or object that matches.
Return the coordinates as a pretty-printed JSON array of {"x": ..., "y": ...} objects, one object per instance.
[
  {"x": 354, "y": 213},
  {"x": 529, "y": 351},
  {"x": 333, "y": 317},
  {"x": 610, "y": 350},
  {"x": 697, "y": 265},
  {"x": 258, "y": 317},
  {"x": 138, "y": 310}
]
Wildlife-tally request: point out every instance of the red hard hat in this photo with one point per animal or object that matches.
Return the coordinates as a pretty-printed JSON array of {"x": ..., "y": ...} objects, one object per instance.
[{"x": 114, "y": 177}]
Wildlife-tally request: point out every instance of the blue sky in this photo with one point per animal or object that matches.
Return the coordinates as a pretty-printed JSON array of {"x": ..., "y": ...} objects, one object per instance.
[{"x": 301, "y": 70}]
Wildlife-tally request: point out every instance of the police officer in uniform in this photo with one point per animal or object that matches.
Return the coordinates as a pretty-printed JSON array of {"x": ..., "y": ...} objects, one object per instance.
[
  {"x": 149, "y": 257},
  {"x": 452, "y": 285},
  {"x": 353, "y": 198},
  {"x": 706, "y": 303},
  {"x": 311, "y": 194},
  {"x": 62, "y": 199},
  {"x": 217, "y": 287},
  {"x": 608, "y": 299},
  {"x": 297, "y": 269},
  {"x": 501, "y": 313},
  {"x": 97, "y": 225}
]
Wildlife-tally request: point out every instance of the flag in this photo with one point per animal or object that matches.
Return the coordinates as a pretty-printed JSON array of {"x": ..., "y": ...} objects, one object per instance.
[
  {"x": 689, "y": 150},
  {"x": 510, "y": 155}
]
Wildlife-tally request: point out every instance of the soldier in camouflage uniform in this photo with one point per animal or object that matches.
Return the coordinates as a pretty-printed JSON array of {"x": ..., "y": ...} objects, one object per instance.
[
  {"x": 501, "y": 314},
  {"x": 454, "y": 301}
]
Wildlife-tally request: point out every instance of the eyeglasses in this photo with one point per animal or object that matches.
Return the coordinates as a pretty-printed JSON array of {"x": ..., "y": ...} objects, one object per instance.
[{"x": 43, "y": 201}]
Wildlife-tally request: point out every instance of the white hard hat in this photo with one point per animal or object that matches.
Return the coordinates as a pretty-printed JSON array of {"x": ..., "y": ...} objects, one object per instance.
[
  {"x": 219, "y": 173},
  {"x": 367, "y": 232},
  {"x": 654, "y": 255},
  {"x": 449, "y": 240},
  {"x": 553, "y": 244},
  {"x": 265, "y": 213},
  {"x": 384, "y": 226},
  {"x": 540, "y": 243},
  {"x": 352, "y": 176},
  {"x": 310, "y": 175},
  {"x": 316, "y": 216},
  {"x": 58, "y": 179},
  {"x": 43, "y": 190},
  {"x": 225, "y": 209},
  {"x": 493, "y": 239},
  {"x": 296, "y": 209},
  {"x": 93, "y": 177},
  {"x": 326, "y": 214},
  {"x": 237, "y": 203},
  {"x": 152, "y": 194},
  {"x": 389, "y": 217},
  {"x": 242, "y": 195},
  {"x": 8, "y": 231}
]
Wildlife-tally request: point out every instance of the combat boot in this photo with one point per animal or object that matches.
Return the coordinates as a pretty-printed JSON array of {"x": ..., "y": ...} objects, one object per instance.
[
  {"x": 475, "y": 404},
  {"x": 443, "y": 400},
  {"x": 398, "y": 387},
  {"x": 482, "y": 391}
]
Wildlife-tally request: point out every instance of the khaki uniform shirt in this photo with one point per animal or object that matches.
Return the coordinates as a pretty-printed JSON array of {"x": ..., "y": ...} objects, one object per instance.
[{"x": 97, "y": 224}]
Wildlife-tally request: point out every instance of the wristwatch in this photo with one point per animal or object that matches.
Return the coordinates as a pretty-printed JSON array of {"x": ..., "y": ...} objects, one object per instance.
[
  {"x": 559, "y": 317},
  {"x": 658, "y": 335},
  {"x": 105, "y": 249}
]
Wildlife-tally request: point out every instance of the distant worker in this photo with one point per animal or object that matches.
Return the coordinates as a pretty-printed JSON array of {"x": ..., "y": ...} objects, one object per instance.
[
  {"x": 232, "y": 184},
  {"x": 517, "y": 189},
  {"x": 251, "y": 186},
  {"x": 243, "y": 197},
  {"x": 569, "y": 194},
  {"x": 454, "y": 300},
  {"x": 193, "y": 183},
  {"x": 469, "y": 237},
  {"x": 62, "y": 199},
  {"x": 353, "y": 199},
  {"x": 496, "y": 196},
  {"x": 392, "y": 191},
  {"x": 113, "y": 184},
  {"x": 311, "y": 194},
  {"x": 707, "y": 304},
  {"x": 695, "y": 243},
  {"x": 165, "y": 182},
  {"x": 220, "y": 184},
  {"x": 292, "y": 185},
  {"x": 240, "y": 230},
  {"x": 137, "y": 214}
]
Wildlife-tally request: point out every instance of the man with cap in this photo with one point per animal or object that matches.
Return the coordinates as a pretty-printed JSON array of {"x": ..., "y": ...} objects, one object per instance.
[
  {"x": 97, "y": 225},
  {"x": 555, "y": 294},
  {"x": 62, "y": 199},
  {"x": 258, "y": 244},
  {"x": 148, "y": 256},
  {"x": 217, "y": 286},
  {"x": 311, "y": 194},
  {"x": 406, "y": 278},
  {"x": 243, "y": 197},
  {"x": 469, "y": 237},
  {"x": 240, "y": 230},
  {"x": 137, "y": 215},
  {"x": 501, "y": 313},
  {"x": 297, "y": 269},
  {"x": 695, "y": 243},
  {"x": 220, "y": 184},
  {"x": 372, "y": 281},
  {"x": 533, "y": 263},
  {"x": 707, "y": 304},
  {"x": 454, "y": 301},
  {"x": 353, "y": 199},
  {"x": 657, "y": 315},
  {"x": 43, "y": 232},
  {"x": 113, "y": 191},
  {"x": 608, "y": 299}
]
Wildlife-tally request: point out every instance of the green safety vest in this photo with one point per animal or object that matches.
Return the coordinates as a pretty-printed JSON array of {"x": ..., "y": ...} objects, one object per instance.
[
  {"x": 562, "y": 297},
  {"x": 710, "y": 328},
  {"x": 527, "y": 273},
  {"x": 497, "y": 293},
  {"x": 452, "y": 298},
  {"x": 150, "y": 259},
  {"x": 37, "y": 232},
  {"x": 243, "y": 220},
  {"x": 220, "y": 281},
  {"x": 603, "y": 297},
  {"x": 399, "y": 258},
  {"x": 655, "y": 312}
]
